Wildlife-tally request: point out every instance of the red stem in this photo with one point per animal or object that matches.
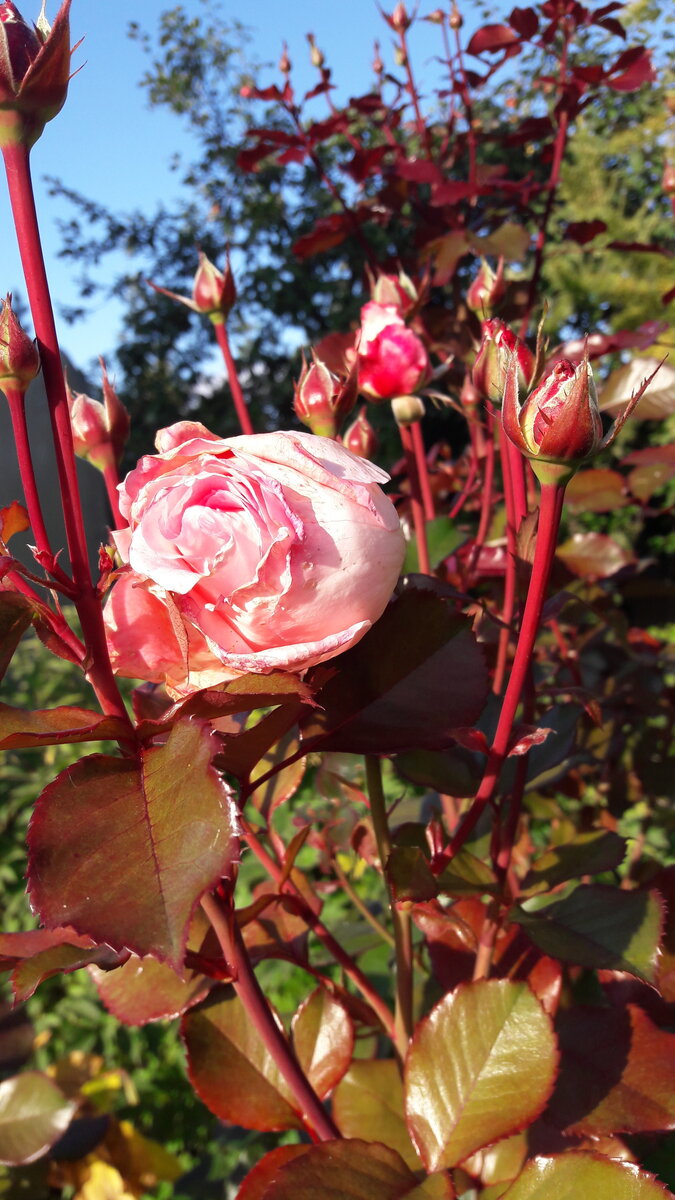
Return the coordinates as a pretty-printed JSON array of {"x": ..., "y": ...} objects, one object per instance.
[
  {"x": 552, "y": 496},
  {"x": 258, "y": 1010},
  {"x": 111, "y": 479},
  {"x": 17, "y": 408},
  {"x": 233, "y": 378},
  {"x": 486, "y": 508},
  {"x": 422, "y": 471},
  {"x": 419, "y": 523},
  {"x": 17, "y": 166},
  {"x": 510, "y": 579}
]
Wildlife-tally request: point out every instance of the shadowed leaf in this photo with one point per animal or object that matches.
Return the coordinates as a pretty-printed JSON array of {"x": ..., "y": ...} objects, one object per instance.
[
  {"x": 323, "y": 1040},
  {"x": 256, "y": 1182},
  {"x": 143, "y": 990},
  {"x": 54, "y": 726},
  {"x": 123, "y": 849},
  {"x": 593, "y": 555},
  {"x": 369, "y": 1102},
  {"x": 589, "y": 854},
  {"x": 343, "y": 1170},
  {"x": 33, "y": 1115},
  {"x": 480, "y": 1066},
  {"x": 16, "y": 614},
  {"x": 597, "y": 490}
]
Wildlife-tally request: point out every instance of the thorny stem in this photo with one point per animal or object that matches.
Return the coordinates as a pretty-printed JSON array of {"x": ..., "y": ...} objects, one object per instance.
[
  {"x": 233, "y": 378},
  {"x": 403, "y": 1016},
  {"x": 552, "y": 496},
  {"x": 419, "y": 523},
  {"x": 258, "y": 1010},
  {"x": 99, "y": 670},
  {"x": 350, "y": 968}
]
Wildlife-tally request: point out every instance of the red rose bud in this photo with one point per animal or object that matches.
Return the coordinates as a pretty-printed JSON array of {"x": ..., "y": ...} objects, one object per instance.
[
  {"x": 400, "y": 19},
  {"x": 34, "y": 72},
  {"x": 285, "y": 62},
  {"x": 360, "y": 438},
  {"x": 559, "y": 425},
  {"x": 213, "y": 291},
  {"x": 487, "y": 289},
  {"x": 392, "y": 359},
  {"x": 378, "y": 65},
  {"x": 322, "y": 400},
  {"x": 99, "y": 429},
  {"x": 19, "y": 357},
  {"x": 399, "y": 291},
  {"x": 498, "y": 347}
]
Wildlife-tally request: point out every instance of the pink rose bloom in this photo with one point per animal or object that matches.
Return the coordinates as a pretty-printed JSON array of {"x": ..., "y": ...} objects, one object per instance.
[
  {"x": 247, "y": 554},
  {"x": 392, "y": 359}
]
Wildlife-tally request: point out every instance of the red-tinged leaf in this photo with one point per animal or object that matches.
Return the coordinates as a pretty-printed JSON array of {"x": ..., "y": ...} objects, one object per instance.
[
  {"x": 323, "y": 1040},
  {"x": 641, "y": 248},
  {"x": 411, "y": 878},
  {"x": 452, "y": 937},
  {"x": 664, "y": 882},
  {"x": 444, "y": 254},
  {"x": 481, "y": 1066},
  {"x": 668, "y": 296},
  {"x": 144, "y": 990},
  {"x": 451, "y": 192},
  {"x": 14, "y": 947},
  {"x": 34, "y": 1113},
  {"x": 490, "y": 38},
  {"x": 658, "y": 401},
  {"x": 264, "y": 1173},
  {"x": 525, "y": 22},
  {"x": 269, "y": 93},
  {"x": 285, "y": 783},
  {"x": 597, "y": 490},
  {"x": 123, "y": 849},
  {"x": 653, "y": 468},
  {"x": 419, "y": 170},
  {"x": 368, "y": 1103},
  {"x": 60, "y": 960},
  {"x": 344, "y": 1170},
  {"x": 275, "y": 930},
  {"x": 500, "y": 1163},
  {"x": 583, "y": 232},
  {"x": 594, "y": 555},
  {"x": 525, "y": 737},
  {"x": 546, "y": 980},
  {"x": 631, "y": 70},
  {"x": 612, "y": 26},
  {"x": 510, "y": 240},
  {"x": 381, "y": 702},
  {"x": 16, "y": 614},
  {"x": 597, "y": 344},
  {"x": 578, "y": 1173},
  {"x": 231, "y": 1069},
  {"x": 54, "y": 726},
  {"x": 13, "y": 519},
  {"x": 242, "y": 753},
  {"x": 597, "y": 926},
  {"x": 590, "y": 853},
  {"x": 241, "y": 695},
  {"x": 617, "y": 1073},
  {"x": 327, "y": 233}
]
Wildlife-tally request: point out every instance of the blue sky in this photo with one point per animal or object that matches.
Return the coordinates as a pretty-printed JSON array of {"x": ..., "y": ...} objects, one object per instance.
[{"x": 107, "y": 143}]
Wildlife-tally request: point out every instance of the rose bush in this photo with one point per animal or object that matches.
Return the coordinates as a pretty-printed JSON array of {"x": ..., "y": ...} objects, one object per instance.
[{"x": 247, "y": 554}]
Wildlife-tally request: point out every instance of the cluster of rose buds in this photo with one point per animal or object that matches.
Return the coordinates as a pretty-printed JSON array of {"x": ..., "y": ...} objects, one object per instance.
[
  {"x": 213, "y": 291},
  {"x": 34, "y": 72}
]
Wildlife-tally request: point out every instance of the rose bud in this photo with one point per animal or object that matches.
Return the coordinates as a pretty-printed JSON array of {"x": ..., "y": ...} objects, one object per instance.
[
  {"x": 487, "y": 289},
  {"x": 392, "y": 359},
  {"x": 407, "y": 409},
  {"x": 400, "y": 19},
  {"x": 360, "y": 437},
  {"x": 100, "y": 430},
  {"x": 34, "y": 72},
  {"x": 322, "y": 400},
  {"x": 19, "y": 357},
  {"x": 248, "y": 554},
  {"x": 397, "y": 291},
  {"x": 498, "y": 346},
  {"x": 213, "y": 291},
  {"x": 316, "y": 56},
  {"x": 559, "y": 426}
]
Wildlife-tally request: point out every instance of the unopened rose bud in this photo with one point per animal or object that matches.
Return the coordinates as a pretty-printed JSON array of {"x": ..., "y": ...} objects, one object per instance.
[
  {"x": 400, "y": 19},
  {"x": 407, "y": 409},
  {"x": 378, "y": 65},
  {"x": 100, "y": 430},
  {"x": 396, "y": 290},
  {"x": 360, "y": 437},
  {"x": 34, "y": 73},
  {"x": 322, "y": 400},
  {"x": 19, "y": 357},
  {"x": 469, "y": 396},
  {"x": 455, "y": 20},
  {"x": 498, "y": 346},
  {"x": 213, "y": 291},
  {"x": 487, "y": 289},
  {"x": 559, "y": 426},
  {"x": 285, "y": 62},
  {"x": 437, "y": 17},
  {"x": 393, "y": 360},
  {"x": 315, "y": 55}
]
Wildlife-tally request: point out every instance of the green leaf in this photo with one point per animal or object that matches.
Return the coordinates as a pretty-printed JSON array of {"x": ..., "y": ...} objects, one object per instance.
[
  {"x": 579, "y": 1175},
  {"x": 344, "y": 1170},
  {"x": 368, "y": 1102},
  {"x": 442, "y": 538},
  {"x": 589, "y": 854},
  {"x": 33, "y": 1115},
  {"x": 481, "y": 1066},
  {"x": 596, "y": 926},
  {"x": 416, "y": 675},
  {"x": 123, "y": 849},
  {"x": 323, "y": 1040},
  {"x": 231, "y": 1069}
]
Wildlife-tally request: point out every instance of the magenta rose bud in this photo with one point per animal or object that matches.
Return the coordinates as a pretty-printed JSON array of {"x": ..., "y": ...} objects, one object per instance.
[
  {"x": 392, "y": 359},
  {"x": 19, "y": 357},
  {"x": 34, "y": 72},
  {"x": 248, "y": 554},
  {"x": 497, "y": 348}
]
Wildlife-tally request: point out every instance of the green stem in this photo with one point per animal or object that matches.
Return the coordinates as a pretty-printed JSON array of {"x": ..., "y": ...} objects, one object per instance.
[
  {"x": 260, "y": 1014},
  {"x": 403, "y": 1015},
  {"x": 552, "y": 496}
]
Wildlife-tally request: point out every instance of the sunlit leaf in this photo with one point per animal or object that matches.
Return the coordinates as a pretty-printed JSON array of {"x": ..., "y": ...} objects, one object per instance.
[
  {"x": 480, "y": 1067},
  {"x": 658, "y": 401},
  {"x": 576, "y": 1174},
  {"x": 54, "y": 726},
  {"x": 323, "y": 1039},
  {"x": 596, "y": 490},
  {"x": 343, "y": 1170},
  {"x": 368, "y": 1103},
  {"x": 33, "y": 1114},
  {"x": 593, "y": 555}
]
